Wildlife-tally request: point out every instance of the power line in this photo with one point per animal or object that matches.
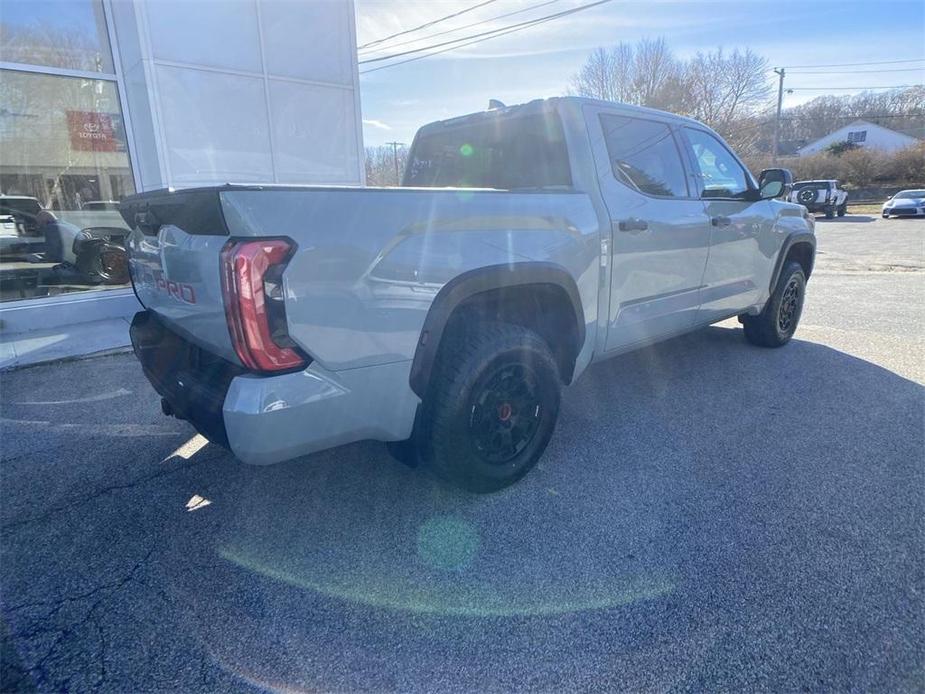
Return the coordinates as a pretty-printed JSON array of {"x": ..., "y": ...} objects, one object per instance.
[
  {"x": 883, "y": 62},
  {"x": 474, "y": 24},
  {"x": 427, "y": 24},
  {"x": 461, "y": 45},
  {"x": 825, "y": 89},
  {"x": 855, "y": 72},
  {"x": 485, "y": 35}
]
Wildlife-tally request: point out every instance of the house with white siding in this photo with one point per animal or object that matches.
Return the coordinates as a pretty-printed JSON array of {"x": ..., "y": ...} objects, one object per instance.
[{"x": 864, "y": 134}]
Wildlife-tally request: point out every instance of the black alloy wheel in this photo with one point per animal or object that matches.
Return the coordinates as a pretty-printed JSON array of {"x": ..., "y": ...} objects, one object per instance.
[{"x": 504, "y": 413}]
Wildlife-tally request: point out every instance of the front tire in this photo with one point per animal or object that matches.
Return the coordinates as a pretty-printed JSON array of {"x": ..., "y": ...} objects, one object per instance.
[
  {"x": 491, "y": 407},
  {"x": 776, "y": 324},
  {"x": 843, "y": 209},
  {"x": 830, "y": 212}
]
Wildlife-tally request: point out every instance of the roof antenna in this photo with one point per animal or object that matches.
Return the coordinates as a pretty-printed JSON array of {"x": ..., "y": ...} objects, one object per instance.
[{"x": 495, "y": 103}]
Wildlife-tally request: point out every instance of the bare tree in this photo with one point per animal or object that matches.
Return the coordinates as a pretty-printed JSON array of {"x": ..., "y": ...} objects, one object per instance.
[
  {"x": 898, "y": 109},
  {"x": 597, "y": 78},
  {"x": 724, "y": 88},
  {"x": 380, "y": 165},
  {"x": 716, "y": 87},
  {"x": 655, "y": 74},
  {"x": 632, "y": 75}
]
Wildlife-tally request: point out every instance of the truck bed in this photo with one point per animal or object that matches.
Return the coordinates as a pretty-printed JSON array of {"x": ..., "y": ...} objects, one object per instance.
[{"x": 368, "y": 261}]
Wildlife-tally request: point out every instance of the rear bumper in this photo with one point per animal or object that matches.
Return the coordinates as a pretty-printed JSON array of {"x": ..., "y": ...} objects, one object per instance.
[
  {"x": 268, "y": 419},
  {"x": 274, "y": 418},
  {"x": 193, "y": 381}
]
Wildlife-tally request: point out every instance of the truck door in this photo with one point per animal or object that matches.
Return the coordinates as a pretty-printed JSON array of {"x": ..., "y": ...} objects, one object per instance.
[
  {"x": 660, "y": 232},
  {"x": 742, "y": 242}
]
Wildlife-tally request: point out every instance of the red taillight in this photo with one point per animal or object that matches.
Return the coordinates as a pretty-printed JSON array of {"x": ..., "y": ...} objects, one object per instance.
[{"x": 244, "y": 270}]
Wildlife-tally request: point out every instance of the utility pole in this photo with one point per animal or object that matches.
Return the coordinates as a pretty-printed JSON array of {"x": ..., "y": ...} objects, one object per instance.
[
  {"x": 395, "y": 146},
  {"x": 780, "y": 103}
]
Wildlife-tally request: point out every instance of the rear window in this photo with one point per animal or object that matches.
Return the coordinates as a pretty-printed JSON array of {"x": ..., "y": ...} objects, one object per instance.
[{"x": 507, "y": 152}]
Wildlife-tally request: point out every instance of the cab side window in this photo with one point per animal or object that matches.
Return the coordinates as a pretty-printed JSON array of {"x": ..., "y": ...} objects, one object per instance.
[
  {"x": 643, "y": 154},
  {"x": 721, "y": 176}
]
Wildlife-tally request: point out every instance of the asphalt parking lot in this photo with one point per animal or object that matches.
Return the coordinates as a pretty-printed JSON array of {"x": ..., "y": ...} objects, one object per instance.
[{"x": 709, "y": 516}]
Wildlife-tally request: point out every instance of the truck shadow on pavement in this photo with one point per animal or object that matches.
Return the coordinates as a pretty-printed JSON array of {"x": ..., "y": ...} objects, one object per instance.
[{"x": 684, "y": 482}]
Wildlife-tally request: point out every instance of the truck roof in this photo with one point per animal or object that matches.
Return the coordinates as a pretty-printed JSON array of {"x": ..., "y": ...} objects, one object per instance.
[{"x": 551, "y": 103}]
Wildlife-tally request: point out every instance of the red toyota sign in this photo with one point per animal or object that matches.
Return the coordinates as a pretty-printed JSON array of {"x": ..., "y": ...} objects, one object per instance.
[{"x": 92, "y": 131}]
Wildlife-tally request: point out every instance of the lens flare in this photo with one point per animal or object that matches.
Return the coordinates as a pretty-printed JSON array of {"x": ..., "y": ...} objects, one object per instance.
[{"x": 447, "y": 542}]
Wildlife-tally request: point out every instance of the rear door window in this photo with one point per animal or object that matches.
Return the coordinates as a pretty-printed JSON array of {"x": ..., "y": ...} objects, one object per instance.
[{"x": 643, "y": 154}]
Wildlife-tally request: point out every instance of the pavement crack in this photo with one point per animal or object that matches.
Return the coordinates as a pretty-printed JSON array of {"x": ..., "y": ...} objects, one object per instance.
[
  {"x": 92, "y": 617},
  {"x": 102, "y": 491},
  {"x": 58, "y": 603}
]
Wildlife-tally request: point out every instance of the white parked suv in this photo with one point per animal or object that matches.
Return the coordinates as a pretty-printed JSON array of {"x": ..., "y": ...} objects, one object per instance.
[{"x": 821, "y": 196}]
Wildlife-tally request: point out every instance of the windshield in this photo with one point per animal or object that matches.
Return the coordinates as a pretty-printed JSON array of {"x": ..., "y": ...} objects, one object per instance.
[
  {"x": 910, "y": 195},
  {"x": 495, "y": 152}
]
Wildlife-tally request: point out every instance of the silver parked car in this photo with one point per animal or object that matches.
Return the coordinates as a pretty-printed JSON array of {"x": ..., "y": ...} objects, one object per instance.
[
  {"x": 906, "y": 203},
  {"x": 446, "y": 315}
]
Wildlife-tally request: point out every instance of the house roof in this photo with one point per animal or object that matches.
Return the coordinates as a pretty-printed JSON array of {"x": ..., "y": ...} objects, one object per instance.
[{"x": 854, "y": 124}]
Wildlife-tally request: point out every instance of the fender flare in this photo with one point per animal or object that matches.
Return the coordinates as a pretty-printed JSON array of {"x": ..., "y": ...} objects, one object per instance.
[
  {"x": 477, "y": 281},
  {"x": 791, "y": 241}
]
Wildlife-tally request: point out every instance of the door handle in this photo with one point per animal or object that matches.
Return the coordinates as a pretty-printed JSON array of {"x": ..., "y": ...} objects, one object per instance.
[
  {"x": 720, "y": 221},
  {"x": 632, "y": 224}
]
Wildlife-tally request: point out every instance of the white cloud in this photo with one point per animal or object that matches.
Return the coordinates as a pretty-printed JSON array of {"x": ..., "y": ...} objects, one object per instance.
[{"x": 376, "y": 124}]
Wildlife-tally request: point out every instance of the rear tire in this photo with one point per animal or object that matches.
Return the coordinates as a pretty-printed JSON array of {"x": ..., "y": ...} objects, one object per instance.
[
  {"x": 775, "y": 325},
  {"x": 843, "y": 209},
  {"x": 405, "y": 452},
  {"x": 491, "y": 407},
  {"x": 829, "y": 212}
]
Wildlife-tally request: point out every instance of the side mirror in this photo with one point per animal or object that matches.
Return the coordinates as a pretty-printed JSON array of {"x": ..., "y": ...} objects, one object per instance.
[{"x": 774, "y": 183}]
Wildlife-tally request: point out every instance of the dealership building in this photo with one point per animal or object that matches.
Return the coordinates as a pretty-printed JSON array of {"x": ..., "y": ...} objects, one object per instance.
[{"x": 103, "y": 98}]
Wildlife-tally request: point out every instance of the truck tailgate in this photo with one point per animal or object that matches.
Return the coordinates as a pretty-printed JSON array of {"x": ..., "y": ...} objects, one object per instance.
[{"x": 174, "y": 257}]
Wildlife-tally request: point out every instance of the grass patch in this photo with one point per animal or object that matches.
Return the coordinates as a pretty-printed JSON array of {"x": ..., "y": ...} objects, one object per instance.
[{"x": 865, "y": 208}]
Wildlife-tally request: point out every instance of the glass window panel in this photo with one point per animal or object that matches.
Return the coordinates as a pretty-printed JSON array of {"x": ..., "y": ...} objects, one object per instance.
[
  {"x": 722, "y": 176},
  {"x": 508, "y": 152},
  {"x": 63, "y": 167},
  {"x": 57, "y": 33},
  {"x": 644, "y": 153}
]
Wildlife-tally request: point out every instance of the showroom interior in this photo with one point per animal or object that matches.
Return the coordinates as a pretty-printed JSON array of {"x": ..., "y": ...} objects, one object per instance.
[{"x": 103, "y": 98}]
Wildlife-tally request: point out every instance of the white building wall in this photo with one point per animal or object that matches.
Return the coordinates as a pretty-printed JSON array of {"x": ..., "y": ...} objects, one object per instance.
[
  {"x": 877, "y": 137},
  {"x": 262, "y": 91}
]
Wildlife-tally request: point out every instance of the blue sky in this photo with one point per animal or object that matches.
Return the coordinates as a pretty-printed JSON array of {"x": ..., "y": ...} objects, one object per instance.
[{"x": 539, "y": 61}]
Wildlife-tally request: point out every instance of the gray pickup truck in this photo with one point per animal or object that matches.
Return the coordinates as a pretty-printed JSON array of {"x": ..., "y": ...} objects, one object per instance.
[{"x": 444, "y": 316}]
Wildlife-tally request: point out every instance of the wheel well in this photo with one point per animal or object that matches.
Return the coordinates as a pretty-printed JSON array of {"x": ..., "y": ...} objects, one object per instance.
[
  {"x": 803, "y": 254},
  {"x": 546, "y": 309}
]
